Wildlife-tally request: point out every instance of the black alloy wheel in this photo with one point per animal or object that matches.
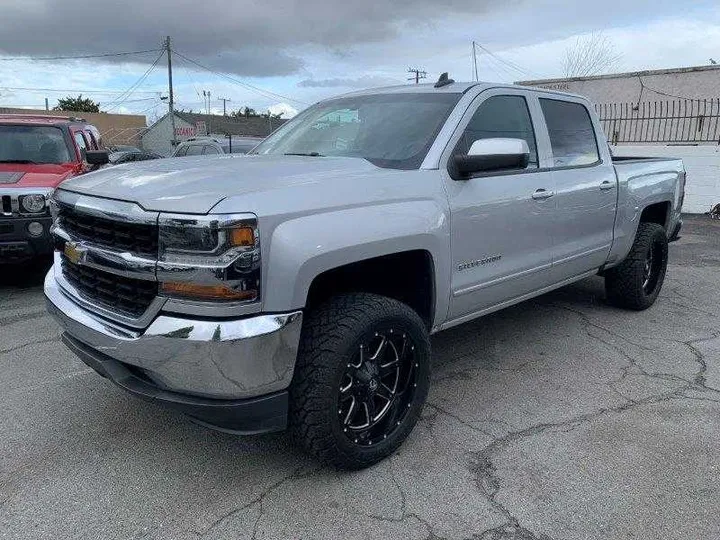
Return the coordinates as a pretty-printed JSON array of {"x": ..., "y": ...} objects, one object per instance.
[
  {"x": 361, "y": 379},
  {"x": 378, "y": 387}
]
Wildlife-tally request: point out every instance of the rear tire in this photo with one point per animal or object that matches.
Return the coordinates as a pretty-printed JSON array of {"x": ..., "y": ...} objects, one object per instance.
[
  {"x": 636, "y": 282},
  {"x": 361, "y": 379}
]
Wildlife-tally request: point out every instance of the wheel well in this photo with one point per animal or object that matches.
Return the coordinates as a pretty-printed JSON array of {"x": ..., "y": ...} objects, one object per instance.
[
  {"x": 656, "y": 213},
  {"x": 407, "y": 277}
]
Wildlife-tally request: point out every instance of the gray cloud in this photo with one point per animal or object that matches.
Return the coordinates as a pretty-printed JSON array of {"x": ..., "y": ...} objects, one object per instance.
[
  {"x": 273, "y": 37},
  {"x": 368, "y": 81},
  {"x": 246, "y": 38}
]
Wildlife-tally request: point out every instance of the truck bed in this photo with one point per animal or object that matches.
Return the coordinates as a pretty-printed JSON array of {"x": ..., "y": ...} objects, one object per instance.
[{"x": 625, "y": 159}]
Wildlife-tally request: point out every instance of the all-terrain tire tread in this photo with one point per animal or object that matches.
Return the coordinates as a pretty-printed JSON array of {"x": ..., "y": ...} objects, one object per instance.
[
  {"x": 622, "y": 284},
  {"x": 311, "y": 397}
]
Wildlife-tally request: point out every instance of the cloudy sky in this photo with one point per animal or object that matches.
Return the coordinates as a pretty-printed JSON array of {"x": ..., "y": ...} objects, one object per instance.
[{"x": 286, "y": 54}]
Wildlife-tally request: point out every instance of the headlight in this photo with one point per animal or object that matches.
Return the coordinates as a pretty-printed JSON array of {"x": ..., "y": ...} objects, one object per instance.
[
  {"x": 33, "y": 203},
  {"x": 209, "y": 258}
]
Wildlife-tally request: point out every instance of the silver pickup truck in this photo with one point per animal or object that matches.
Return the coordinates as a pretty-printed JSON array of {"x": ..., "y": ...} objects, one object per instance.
[{"x": 296, "y": 287}]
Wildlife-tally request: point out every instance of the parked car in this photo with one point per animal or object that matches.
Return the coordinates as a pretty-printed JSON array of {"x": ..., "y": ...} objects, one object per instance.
[
  {"x": 36, "y": 154},
  {"x": 128, "y": 156},
  {"x": 204, "y": 146},
  {"x": 298, "y": 288},
  {"x": 122, "y": 148}
]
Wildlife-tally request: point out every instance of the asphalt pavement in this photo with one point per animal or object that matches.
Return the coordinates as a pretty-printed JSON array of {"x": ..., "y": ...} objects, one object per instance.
[{"x": 559, "y": 418}]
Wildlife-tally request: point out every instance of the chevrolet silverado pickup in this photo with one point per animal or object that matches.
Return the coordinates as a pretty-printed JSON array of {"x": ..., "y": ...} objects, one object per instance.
[
  {"x": 297, "y": 286},
  {"x": 36, "y": 154}
]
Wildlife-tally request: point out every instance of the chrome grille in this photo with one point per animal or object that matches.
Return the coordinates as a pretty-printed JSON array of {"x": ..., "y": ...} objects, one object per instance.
[
  {"x": 136, "y": 238},
  {"x": 126, "y": 296}
]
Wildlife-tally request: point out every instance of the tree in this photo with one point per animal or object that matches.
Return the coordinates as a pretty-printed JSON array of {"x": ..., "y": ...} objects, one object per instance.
[
  {"x": 593, "y": 54},
  {"x": 78, "y": 104},
  {"x": 244, "y": 112}
]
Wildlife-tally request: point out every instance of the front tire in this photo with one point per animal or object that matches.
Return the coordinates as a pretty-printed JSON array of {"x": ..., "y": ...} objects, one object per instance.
[
  {"x": 636, "y": 282},
  {"x": 361, "y": 379}
]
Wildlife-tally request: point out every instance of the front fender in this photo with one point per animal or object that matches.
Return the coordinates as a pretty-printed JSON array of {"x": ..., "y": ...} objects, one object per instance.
[{"x": 304, "y": 247}]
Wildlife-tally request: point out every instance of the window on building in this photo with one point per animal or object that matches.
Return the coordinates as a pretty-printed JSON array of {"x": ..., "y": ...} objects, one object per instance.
[{"x": 572, "y": 137}]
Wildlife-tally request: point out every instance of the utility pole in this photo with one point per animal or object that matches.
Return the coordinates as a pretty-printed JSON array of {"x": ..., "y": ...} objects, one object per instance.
[
  {"x": 171, "y": 100},
  {"x": 419, "y": 74},
  {"x": 47, "y": 105},
  {"x": 224, "y": 100},
  {"x": 475, "y": 70}
]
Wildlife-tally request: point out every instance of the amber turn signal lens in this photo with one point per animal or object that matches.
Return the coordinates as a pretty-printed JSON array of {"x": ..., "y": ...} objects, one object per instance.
[
  {"x": 205, "y": 292},
  {"x": 242, "y": 236}
]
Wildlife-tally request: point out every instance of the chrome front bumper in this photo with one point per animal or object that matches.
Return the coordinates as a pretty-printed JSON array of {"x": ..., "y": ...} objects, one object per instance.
[{"x": 218, "y": 359}]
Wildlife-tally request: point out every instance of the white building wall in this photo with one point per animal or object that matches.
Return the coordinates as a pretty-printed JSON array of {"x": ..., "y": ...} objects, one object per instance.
[
  {"x": 702, "y": 163},
  {"x": 159, "y": 136}
]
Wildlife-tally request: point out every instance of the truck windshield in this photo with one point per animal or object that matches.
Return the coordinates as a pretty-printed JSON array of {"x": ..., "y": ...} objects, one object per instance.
[
  {"x": 389, "y": 130},
  {"x": 33, "y": 144}
]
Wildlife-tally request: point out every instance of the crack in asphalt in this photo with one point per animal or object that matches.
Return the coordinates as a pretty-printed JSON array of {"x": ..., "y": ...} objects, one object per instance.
[
  {"x": 509, "y": 531},
  {"x": 441, "y": 410},
  {"x": 11, "y": 319},
  {"x": 18, "y": 347},
  {"x": 486, "y": 477},
  {"x": 295, "y": 475}
]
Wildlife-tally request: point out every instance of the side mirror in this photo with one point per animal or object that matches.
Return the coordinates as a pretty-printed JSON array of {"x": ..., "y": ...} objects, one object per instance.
[
  {"x": 97, "y": 157},
  {"x": 493, "y": 155}
]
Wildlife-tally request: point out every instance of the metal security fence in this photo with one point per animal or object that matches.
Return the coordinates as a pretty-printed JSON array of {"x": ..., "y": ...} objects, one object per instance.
[{"x": 691, "y": 121}]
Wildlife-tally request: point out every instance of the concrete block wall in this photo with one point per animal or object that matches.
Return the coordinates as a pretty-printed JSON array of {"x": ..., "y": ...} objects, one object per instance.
[{"x": 702, "y": 163}]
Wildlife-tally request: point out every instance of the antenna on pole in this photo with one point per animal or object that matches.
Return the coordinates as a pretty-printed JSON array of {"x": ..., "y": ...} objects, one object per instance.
[{"x": 419, "y": 74}]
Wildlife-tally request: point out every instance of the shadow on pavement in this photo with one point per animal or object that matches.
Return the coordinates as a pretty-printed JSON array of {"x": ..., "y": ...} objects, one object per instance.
[{"x": 24, "y": 275}]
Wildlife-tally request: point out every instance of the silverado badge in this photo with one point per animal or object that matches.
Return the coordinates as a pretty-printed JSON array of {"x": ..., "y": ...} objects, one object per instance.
[{"x": 73, "y": 252}]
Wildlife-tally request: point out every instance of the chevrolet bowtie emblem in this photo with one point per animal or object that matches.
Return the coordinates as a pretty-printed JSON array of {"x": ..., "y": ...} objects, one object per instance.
[{"x": 73, "y": 252}]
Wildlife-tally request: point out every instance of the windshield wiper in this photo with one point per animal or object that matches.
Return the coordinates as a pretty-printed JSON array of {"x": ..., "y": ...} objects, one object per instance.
[
  {"x": 308, "y": 154},
  {"x": 25, "y": 161}
]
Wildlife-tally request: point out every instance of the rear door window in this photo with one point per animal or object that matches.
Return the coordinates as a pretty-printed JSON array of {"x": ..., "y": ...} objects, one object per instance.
[
  {"x": 194, "y": 150},
  {"x": 572, "y": 137},
  {"x": 211, "y": 150}
]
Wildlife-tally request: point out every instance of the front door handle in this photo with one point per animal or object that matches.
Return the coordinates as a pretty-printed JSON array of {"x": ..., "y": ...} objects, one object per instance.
[
  {"x": 607, "y": 185},
  {"x": 541, "y": 194}
]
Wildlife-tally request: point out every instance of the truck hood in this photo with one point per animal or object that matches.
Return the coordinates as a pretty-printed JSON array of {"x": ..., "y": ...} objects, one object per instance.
[
  {"x": 196, "y": 184},
  {"x": 34, "y": 175}
]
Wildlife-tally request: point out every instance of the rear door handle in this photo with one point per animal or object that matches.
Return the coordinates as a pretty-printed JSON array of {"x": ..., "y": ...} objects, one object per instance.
[
  {"x": 541, "y": 194},
  {"x": 607, "y": 185}
]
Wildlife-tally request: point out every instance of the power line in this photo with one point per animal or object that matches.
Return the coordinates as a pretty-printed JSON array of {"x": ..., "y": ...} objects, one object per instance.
[
  {"x": 508, "y": 63},
  {"x": 122, "y": 98},
  {"x": 78, "y": 57},
  {"x": 81, "y": 91},
  {"x": 644, "y": 86},
  {"x": 266, "y": 93},
  {"x": 417, "y": 74}
]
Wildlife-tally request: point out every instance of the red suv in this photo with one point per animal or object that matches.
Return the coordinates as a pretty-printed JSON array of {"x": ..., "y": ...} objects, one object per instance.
[{"x": 36, "y": 154}]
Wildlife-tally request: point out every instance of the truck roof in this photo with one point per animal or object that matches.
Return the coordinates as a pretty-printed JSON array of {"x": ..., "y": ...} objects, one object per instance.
[
  {"x": 454, "y": 87},
  {"x": 39, "y": 119}
]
